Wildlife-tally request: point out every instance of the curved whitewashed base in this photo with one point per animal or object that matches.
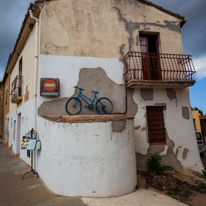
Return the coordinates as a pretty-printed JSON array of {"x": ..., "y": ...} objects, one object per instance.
[{"x": 87, "y": 159}]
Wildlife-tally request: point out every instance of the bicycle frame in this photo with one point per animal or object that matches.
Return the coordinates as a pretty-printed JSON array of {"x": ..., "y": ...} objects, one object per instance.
[
  {"x": 82, "y": 96},
  {"x": 100, "y": 105}
]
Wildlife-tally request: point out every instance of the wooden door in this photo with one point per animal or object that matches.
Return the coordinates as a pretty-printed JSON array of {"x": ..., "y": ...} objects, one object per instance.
[
  {"x": 150, "y": 57},
  {"x": 18, "y": 139},
  {"x": 154, "y": 58},
  {"x": 20, "y": 78}
]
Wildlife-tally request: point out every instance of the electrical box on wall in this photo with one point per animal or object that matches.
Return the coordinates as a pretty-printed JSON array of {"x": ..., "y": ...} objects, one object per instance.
[{"x": 49, "y": 87}]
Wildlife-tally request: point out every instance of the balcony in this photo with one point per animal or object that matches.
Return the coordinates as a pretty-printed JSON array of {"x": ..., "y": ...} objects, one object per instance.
[
  {"x": 158, "y": 70},
  {"x": 16, "y": 90}
]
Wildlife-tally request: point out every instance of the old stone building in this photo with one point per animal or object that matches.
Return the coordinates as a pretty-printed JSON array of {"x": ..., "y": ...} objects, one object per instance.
[
  {"x": 6, "y": 104},
  {"x": 128, "y": 50},
  {"x": 1, "y": 110}
]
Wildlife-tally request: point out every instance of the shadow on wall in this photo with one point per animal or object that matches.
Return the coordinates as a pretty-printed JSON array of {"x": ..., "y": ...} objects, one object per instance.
[{"x": 90, "y": 79}]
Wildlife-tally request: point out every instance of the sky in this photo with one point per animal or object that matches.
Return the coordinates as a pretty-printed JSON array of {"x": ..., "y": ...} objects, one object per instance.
[
  {"x": 194, "y": 42},
  {"x": 12, "y": 14}
]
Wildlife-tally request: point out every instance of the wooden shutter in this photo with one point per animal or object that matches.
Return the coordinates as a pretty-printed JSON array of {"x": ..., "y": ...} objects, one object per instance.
[{"x": 156, "y": 125}]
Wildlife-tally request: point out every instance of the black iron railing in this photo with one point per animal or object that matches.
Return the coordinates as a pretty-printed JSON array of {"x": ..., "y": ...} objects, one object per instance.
[{"x": 16, "y": 88}]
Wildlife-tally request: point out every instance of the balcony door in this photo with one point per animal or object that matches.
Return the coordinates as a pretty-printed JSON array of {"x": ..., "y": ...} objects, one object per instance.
[
  {"x": 150, "y": 57},
  {"x": 20, "y": 77},
  {"x": 18, "y": 139}
]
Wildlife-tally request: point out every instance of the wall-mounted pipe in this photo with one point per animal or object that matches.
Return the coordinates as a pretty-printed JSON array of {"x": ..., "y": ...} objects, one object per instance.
[
  {"x": 35, "y": 67},
  {"x": 35, "y": 76},
  {"x": 36, "y": 56}
]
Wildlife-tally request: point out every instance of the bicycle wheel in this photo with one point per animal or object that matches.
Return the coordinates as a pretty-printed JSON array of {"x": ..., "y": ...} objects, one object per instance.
[
  {"x": 104, "y": 106},
  {"x": 73, "y": 106}
]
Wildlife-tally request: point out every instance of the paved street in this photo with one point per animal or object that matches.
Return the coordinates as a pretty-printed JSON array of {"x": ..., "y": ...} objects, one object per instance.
[
  {"x": 32, "y": 191},
  {"x": 15, "y": 191}
]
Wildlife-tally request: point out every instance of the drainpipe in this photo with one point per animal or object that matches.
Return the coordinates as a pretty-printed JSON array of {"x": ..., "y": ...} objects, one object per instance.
[{"x": 35, "y": 76}]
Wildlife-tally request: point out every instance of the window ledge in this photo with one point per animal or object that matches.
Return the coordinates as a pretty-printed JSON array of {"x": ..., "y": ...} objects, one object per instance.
[{"x": 158, "y": 144}]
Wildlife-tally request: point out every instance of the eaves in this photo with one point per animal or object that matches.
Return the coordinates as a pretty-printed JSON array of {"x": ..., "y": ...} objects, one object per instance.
[{"x": 182, "y": 18}]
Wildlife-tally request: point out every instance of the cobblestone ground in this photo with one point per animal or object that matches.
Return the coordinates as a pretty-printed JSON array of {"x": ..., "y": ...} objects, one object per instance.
[{"x": 33, "y": 192}]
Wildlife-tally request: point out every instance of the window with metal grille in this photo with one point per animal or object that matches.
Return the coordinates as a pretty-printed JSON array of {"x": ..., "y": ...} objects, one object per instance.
[{"x": 156, "y": 125}]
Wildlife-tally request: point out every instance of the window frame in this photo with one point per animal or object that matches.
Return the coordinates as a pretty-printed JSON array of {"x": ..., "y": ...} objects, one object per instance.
[{"x": 6, "y": 96}]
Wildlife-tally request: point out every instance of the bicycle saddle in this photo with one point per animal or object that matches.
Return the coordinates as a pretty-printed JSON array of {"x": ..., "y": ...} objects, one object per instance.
[{"x": 96, "y": 92}]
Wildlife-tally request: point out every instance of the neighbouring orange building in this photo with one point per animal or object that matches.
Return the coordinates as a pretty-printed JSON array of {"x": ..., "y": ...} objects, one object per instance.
[{"x": 199, "y": 122}]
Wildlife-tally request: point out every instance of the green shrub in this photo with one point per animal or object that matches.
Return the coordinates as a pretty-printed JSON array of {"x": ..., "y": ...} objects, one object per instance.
[
  {"x": 154, "y": 164},
  {"x": 200, "y": 184},
  {"x": 203, "y": 175}
]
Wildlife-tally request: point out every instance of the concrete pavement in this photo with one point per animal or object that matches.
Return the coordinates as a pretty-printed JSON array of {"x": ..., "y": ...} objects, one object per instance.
[{"x": 33, "y": 192}]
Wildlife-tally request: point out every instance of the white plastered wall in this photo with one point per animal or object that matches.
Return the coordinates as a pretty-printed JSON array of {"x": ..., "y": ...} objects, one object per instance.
[
  {"x": 87, "y": 159},
  {"x": 67, "y": 69},
  {"x": 28, "y": 56},
  {"x": 27, "y": 123},
  {"x": 179, "y": 130},
  {"x": 26, "y": 108}
]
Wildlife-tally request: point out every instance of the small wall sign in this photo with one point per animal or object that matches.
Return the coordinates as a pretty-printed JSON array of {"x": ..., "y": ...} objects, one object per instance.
[
  {"x": 30, "y": 144},
  {"x": 49, "y": 87},
  {"x": 26, "y": 96}
]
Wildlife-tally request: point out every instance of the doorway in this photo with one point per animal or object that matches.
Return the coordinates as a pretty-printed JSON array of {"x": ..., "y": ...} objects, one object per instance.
[
  {"x": 7, "y": 131},
  {"x": 18, "y": 140},
  {"x": 20, "y": 77},
  {"x": 150, "y": 57},
  {"x": 14, "y": 130}
]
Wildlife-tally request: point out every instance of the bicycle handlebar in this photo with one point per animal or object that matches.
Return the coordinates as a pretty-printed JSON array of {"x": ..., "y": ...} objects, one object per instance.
[{"x": 78, "y": 88}]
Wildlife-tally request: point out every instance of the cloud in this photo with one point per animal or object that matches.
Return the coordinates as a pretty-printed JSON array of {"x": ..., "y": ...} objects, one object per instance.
[
  {"x": 12, "y": 15},
  {"x": 193, "y": 32},
  {"x": 200, "y": 66}
]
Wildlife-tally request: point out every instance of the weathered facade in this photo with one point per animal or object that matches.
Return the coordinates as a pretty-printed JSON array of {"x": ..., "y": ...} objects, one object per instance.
[
  {"x": 131, "y": 52},
  {"x": 1, "y": 110},
  {"x": 6, "y": 104}
]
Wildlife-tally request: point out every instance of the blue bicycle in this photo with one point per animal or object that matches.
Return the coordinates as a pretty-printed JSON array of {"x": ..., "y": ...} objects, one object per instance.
[{"x": 74, "y": 105}]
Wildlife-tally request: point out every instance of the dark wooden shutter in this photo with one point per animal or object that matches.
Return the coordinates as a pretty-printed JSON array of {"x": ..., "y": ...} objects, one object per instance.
[{"x": 156, "y": 125}]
